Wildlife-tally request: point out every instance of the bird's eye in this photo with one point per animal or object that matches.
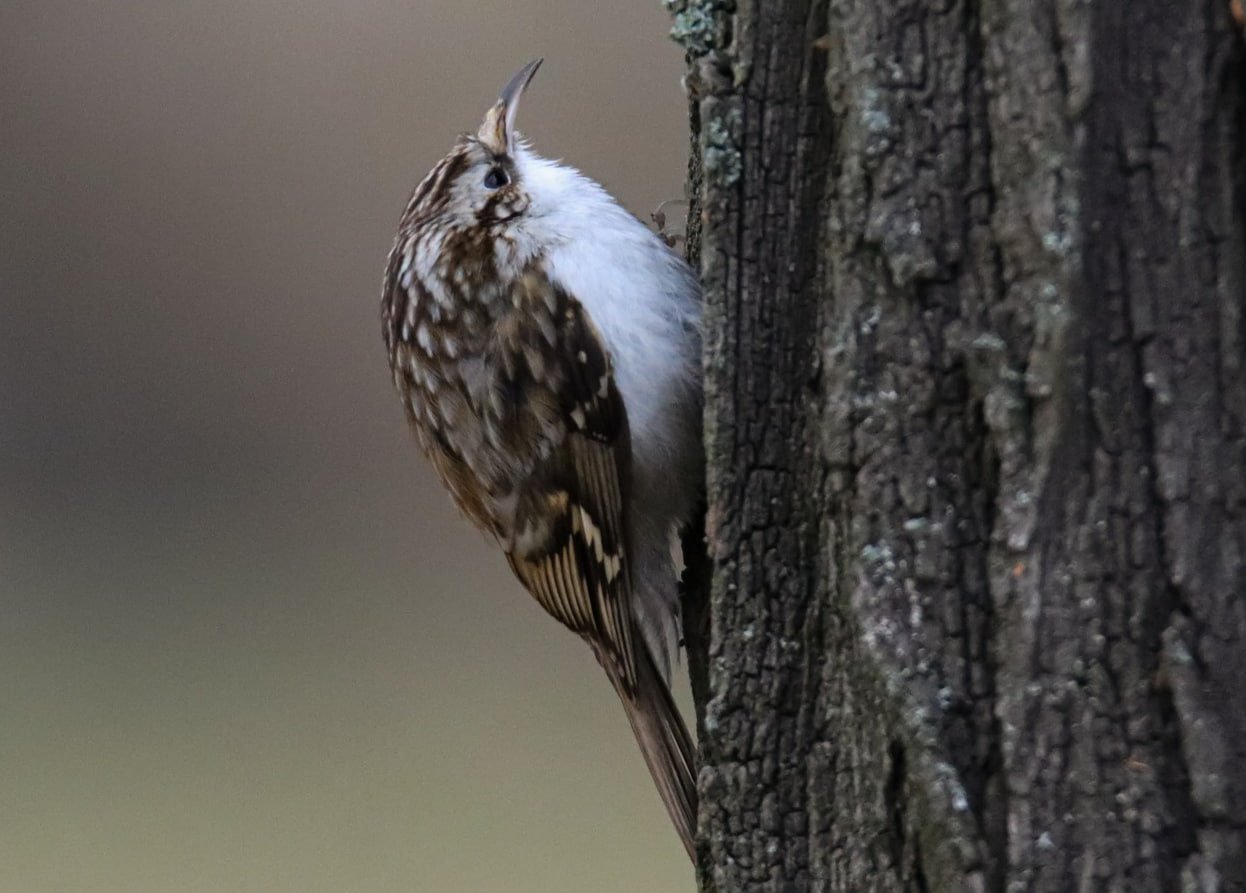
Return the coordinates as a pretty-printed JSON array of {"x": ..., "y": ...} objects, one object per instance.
[{"x": 496, "y": 178}]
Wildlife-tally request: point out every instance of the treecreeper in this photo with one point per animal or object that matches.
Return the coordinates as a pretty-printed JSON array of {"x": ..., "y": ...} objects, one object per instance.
[{"x": 546, "y": 346}]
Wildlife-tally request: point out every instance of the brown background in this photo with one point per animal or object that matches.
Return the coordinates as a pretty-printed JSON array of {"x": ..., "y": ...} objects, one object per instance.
[{"x": 246, "y": 644}]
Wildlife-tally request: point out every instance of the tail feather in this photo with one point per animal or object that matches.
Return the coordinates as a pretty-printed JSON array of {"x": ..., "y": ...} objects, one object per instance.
[{"x": 666, "y": 745}]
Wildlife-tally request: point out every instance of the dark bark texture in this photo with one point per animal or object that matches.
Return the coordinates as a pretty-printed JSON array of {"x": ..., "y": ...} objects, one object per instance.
[{"x": 975, "y": 278}]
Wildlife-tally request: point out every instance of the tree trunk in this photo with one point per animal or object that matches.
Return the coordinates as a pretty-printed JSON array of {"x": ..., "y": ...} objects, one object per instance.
[{"x": 975, "y": 276}]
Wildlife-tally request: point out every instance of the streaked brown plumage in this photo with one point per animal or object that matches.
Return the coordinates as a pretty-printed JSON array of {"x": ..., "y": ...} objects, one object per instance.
[{"x": 511, "y": 391}]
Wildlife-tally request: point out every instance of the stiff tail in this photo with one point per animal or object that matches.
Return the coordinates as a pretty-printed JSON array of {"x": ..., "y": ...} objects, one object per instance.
[{"x": 666, "y": 745}]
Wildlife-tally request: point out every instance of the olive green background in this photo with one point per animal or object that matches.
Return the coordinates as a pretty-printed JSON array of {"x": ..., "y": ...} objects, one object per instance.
[{"x": 246, "y": 644}]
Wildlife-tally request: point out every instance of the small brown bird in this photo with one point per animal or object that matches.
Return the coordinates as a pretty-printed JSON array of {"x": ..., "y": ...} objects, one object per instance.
[{"x": 546, "y": 347}]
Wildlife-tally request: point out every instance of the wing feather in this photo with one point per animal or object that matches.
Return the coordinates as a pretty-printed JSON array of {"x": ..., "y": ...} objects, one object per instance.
[
  {"x": 548, "y": 476},
  {"x": 578, "y": 568}
]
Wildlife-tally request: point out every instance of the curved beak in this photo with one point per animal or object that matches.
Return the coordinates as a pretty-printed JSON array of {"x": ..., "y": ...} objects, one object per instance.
[{"x": 498, "y": 128}]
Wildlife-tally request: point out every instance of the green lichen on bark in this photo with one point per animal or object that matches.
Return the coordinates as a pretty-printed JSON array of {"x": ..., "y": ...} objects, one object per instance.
[
  {"x": 698, "y": 25},
  {"x": 693, "y": 29},
  {"x": 721, "y": 153}
]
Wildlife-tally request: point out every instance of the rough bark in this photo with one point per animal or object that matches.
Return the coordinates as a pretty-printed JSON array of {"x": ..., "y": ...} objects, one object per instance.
[{"x": 975, "y": 283}]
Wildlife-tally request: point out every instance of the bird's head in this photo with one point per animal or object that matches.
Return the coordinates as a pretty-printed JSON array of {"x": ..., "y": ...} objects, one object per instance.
[{"x": 481, "y": 181}]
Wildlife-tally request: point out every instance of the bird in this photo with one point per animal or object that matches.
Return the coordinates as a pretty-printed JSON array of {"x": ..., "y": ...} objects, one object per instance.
[{"x": 546, "y": 345}]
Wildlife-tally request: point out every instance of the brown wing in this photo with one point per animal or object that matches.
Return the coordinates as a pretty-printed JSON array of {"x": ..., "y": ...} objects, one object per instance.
[
  {"x": 568, "y": 542},
  {"x": 522, "y": 419}
]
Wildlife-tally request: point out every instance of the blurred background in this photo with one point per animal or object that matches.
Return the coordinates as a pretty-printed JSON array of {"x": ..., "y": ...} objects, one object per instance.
[{"x": 246, "y": 644}]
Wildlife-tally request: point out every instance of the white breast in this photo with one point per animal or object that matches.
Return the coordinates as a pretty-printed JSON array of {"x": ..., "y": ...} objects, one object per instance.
[{"x": 641, "y": 296}]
